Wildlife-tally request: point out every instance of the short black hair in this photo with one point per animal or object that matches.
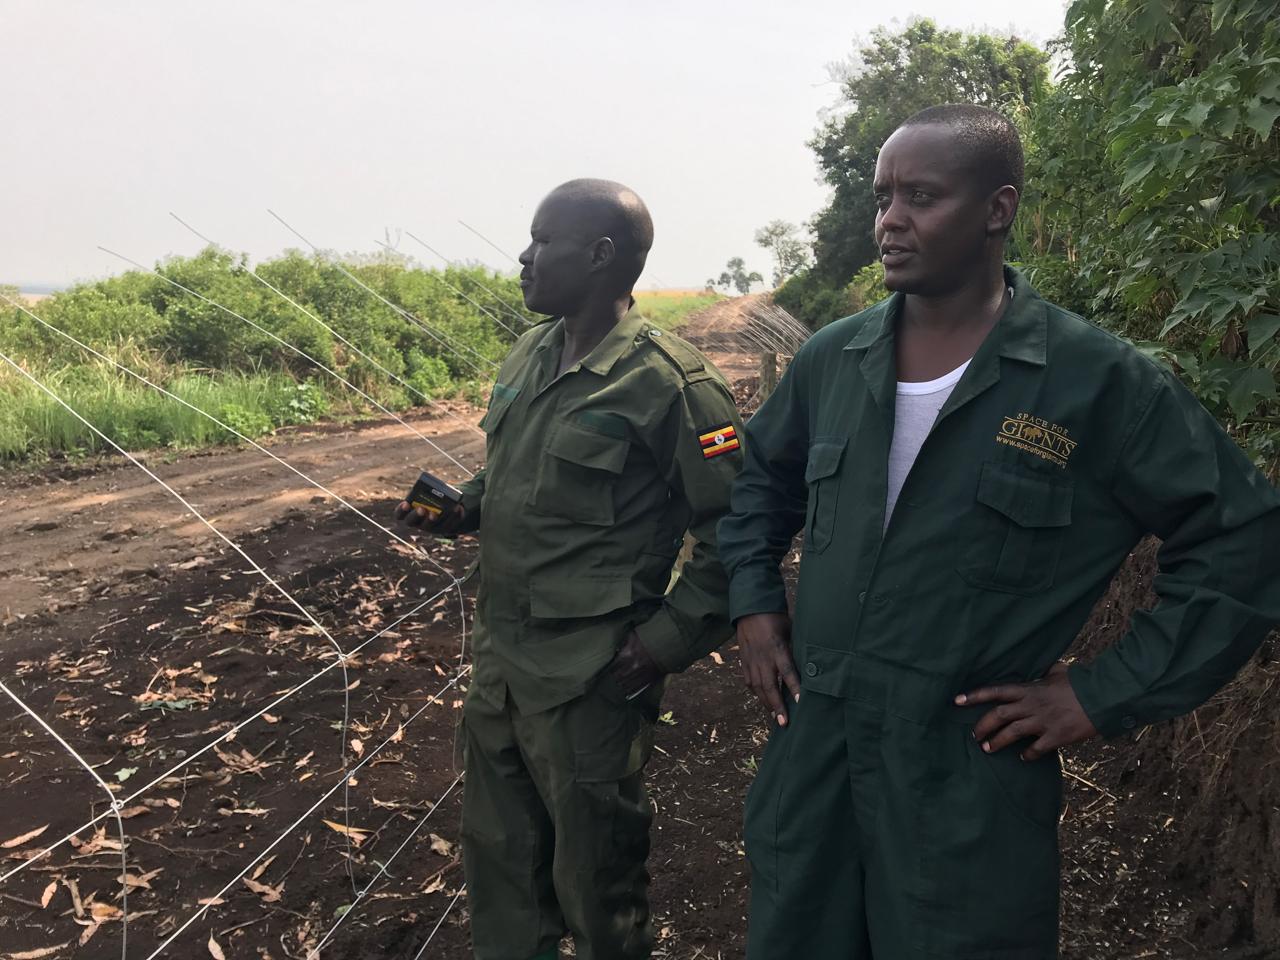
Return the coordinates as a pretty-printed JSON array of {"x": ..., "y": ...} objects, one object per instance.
[
  {"x": 616, "y": 211},
  {"x": 988, "y": 138}
]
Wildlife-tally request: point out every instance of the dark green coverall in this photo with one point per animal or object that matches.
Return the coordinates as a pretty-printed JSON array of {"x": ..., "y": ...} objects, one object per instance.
[
  {"x": 590, "y": 484},
  {"x": 876, "y": 826}
]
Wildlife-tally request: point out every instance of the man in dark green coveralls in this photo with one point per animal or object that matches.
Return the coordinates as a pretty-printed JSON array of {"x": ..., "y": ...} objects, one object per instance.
[
  {"x": 608, "y": 439},
  {"x": 907, "y": 803}
]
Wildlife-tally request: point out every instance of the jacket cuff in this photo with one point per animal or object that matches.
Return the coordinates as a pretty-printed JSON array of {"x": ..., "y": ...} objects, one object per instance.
[
  {"x": 1113, "y": 715},
  {"x": 756, "y": 589},
  {"x": 663, "y": 641},
  {"x": 471, "y": 507}
]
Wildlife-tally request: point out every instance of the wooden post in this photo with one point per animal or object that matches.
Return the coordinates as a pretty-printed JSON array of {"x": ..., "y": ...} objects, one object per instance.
[{"x": 768, "y": 374}]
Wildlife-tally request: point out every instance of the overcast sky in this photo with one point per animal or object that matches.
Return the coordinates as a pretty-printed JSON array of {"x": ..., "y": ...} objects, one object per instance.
[{"x": 352, "y": 118}]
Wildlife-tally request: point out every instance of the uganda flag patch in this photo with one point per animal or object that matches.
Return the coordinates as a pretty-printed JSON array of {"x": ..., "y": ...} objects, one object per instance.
[{"x": 718, "y": 440}]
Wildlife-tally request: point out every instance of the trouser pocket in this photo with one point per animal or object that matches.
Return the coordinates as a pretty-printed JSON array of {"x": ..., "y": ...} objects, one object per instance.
[{"x": 988, "y": 852}]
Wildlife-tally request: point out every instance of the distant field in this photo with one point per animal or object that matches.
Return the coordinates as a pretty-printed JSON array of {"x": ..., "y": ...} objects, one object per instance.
[
  {"x": 669, "y": 308},
  {"x": 675, "y": 292}
]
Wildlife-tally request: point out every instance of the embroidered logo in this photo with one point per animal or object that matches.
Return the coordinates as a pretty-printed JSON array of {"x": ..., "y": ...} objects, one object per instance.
[
  {"x": 718, "y": 440},
  {"x": 1043, "y": 439}
]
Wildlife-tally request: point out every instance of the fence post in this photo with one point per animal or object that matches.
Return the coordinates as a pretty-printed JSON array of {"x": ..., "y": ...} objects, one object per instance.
[{"x": 768, "y": 374}]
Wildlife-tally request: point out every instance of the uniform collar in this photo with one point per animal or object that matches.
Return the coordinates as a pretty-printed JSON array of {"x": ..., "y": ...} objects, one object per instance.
[
  {"x": 608, "y": 351},
  {"x": 1021, "y": 334}
]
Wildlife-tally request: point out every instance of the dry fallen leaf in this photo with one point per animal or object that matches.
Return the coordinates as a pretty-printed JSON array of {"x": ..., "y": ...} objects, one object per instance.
[
  {"x": 132, "y": 812},
  {"x": 399, "y": 734},
  {"x": 441, "y": 846},
  {"x": 26, "y": 837},
  {"x": 49, "y": 891},
  {"x": 357, "y": 746},
  {"x": 262, "y": 867},
  {"x": 38, "y": 954},
  {"x": 435, "y": 885},
  {"x": 715, "y": 655},
  {"x": 268, "y": 894},
  {"x": 270, "y": 718},
  {"x": 304, "y": 761},
  {"x": 211, "y": 902},
  {"x": 102, "y": 912},
  {"x": 357, "y": 835},
  {"x": 215, "y": 951},
  {"x": 143, "y": 882},
  {"x": 89, "y": 931}
]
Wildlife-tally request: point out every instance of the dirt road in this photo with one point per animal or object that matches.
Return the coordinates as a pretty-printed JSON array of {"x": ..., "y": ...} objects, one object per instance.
[{"x": 65, "y": 532}]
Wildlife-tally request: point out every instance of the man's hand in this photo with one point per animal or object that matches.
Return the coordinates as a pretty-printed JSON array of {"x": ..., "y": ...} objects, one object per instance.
[
  {"x": 632, "y": 669},
  {"x": 445, "y": 524},
  {"x": 1046, "y": 711},
  {"x": 764, "y": 644}
]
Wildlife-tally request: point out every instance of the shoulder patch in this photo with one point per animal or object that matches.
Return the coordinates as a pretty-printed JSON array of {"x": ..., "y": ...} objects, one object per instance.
[
  {"x": 718, "y": 440},
  {"x": 680, "y": 354}
]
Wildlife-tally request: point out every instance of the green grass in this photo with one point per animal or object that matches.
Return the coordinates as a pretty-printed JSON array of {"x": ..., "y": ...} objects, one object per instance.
[
  {"x": 669, "y": 310},
  {"x": 134, "y": 415}
]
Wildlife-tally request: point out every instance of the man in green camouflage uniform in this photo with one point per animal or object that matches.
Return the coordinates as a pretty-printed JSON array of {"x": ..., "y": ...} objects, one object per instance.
[{"x": 607, "y": 440}]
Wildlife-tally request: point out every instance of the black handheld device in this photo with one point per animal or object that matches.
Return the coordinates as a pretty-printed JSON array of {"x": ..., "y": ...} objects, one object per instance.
[{"x": 433, "y": 495}]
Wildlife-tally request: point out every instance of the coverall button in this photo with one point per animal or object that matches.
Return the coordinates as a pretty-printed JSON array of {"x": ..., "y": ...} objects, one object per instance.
[
  {"x": 811, "y": 668},
  {"x": 1128, "y": 723},
  {"x": 862, "y": 596},
  {"x": 655, "y": 333}
]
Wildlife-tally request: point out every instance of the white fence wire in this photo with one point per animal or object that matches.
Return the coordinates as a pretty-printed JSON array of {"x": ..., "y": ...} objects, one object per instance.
[{"x": 341, "y": 659}]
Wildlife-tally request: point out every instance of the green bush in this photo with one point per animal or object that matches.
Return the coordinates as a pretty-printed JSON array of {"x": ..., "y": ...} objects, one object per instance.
[
  {"x": 808, "y": 298},
  {"x": 867, "y": 287},
  {"x": 463, "y": 326}
]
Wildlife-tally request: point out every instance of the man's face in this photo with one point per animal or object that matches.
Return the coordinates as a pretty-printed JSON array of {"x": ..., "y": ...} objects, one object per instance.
[
  {"x": 932, "y": 215},
  {"x": 556, "y": 267}
]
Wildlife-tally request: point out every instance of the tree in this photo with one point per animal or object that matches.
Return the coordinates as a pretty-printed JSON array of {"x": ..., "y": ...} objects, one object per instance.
[
  {"x": 883, "y": 83},
  {"x": 1155, "y": 200},
  {"x": 736, "y": 276},
  {"x": 790, "y": 253}
]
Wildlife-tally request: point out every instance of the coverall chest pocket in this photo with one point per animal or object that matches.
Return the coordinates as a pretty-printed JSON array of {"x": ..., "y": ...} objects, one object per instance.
[
  {"x": 1012, "y": 538},
  {"x": 822, "y": 474},
  {"x": 577, "y": 474},
  {"x": 500, "y": 401}
]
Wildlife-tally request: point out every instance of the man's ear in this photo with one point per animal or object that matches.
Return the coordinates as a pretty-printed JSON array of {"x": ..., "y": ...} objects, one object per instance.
[
  {"x": 1001, "y": 209},
  {"x": 603, "y": 253}
]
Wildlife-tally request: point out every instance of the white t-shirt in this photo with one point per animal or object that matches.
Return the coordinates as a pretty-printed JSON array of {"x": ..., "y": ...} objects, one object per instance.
[{"x": 915, "y": 412}]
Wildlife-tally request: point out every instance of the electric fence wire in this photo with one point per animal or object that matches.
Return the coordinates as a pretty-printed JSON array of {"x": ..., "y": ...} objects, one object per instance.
[
  {"x": 769, "y": 336},
  {"x": 439, "y": 923},
  {"x": 314, "y": 952},
  {"x": 346, "y": 694},
  {"x": 228, "y": 735},
  {"x": 498, "y": 298},
  {"x": 293, "y": 303},
  {"x": 452, "y": 289},
  {"x": 113, "y": 805},
  {"x": 784, "y": 337},
  {"x": 117, "y": 805},
  {"x": 306, "y": 356},
  {"x": 347, "y": 775},
  {"x": 412, "y": 547},
  {"x": 490, "y": 242},
  {"x": 394, "y": 306}
]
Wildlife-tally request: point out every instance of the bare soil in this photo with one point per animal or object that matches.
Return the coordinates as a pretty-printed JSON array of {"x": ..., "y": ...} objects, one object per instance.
[{"x": 141, "y": 638}]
